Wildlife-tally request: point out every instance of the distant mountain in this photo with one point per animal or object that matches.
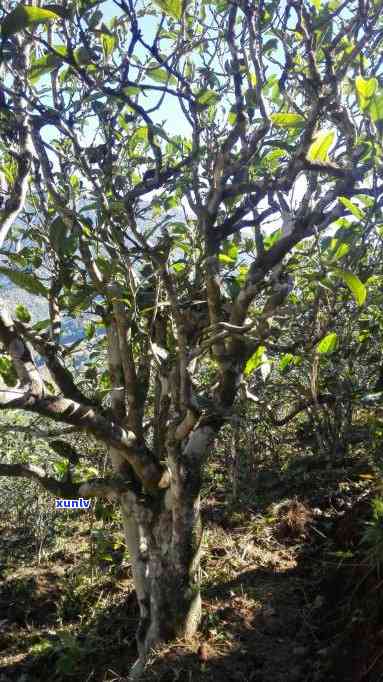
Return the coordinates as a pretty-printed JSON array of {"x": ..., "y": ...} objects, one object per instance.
[{"x": 12, "y": 295}]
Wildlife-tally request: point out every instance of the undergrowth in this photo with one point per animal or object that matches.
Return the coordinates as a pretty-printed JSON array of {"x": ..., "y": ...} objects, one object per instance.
[{"x": 291, "y": 578}]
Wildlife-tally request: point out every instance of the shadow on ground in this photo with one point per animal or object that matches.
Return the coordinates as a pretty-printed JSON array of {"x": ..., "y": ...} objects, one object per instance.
[
  {"x": 253, "y": 629},
  {"x": 262, "y": 600}
]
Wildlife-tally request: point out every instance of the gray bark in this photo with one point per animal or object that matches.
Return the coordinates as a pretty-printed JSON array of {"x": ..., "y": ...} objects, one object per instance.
[{"x": 163, "y": 535}]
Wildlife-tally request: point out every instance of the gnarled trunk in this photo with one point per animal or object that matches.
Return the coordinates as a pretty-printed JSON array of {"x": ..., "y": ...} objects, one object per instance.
[{"x": 163, "y": 536}]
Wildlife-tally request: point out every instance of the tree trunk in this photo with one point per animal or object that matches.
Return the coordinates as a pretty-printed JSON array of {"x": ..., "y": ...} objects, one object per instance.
[{"x": 163, "y": 536}]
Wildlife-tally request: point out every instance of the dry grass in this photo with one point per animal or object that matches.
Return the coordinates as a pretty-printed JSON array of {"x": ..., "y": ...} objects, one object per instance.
[{"x": 259, "y": 589}]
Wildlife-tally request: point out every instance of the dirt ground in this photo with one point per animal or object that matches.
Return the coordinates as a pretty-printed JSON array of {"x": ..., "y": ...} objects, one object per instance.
[{"x": 273, "y": 581}]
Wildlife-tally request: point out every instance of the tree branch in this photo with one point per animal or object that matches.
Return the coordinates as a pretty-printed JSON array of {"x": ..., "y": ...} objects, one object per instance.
[
  {"x": 96, "y": 487},
  {"x": 31, "y": 396},
  {"x": 50, "y": 352},
  {"x": 299, "y": 407},
  {"x": 38, "y": 433}
]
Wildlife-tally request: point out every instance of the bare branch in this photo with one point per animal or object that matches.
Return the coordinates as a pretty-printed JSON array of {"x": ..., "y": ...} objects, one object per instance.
[
  {"x": 50, "y": 352},
  {"x": 16, "y": 201},
  {"x": 37, "y": 433},
  {"x": 32, "y": 397},
  {"x": 96, "y": 487}
]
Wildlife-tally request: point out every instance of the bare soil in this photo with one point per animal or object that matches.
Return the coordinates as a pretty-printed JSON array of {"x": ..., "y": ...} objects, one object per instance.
[{"x": 280, "y": 593}]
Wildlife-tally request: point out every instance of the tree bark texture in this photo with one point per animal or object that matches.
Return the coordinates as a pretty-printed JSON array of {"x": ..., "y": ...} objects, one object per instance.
[{"x": 163, "y": 536}]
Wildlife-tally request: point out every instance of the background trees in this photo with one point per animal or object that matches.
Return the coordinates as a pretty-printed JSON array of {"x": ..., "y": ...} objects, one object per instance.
[{"x": 199, "y": 185}]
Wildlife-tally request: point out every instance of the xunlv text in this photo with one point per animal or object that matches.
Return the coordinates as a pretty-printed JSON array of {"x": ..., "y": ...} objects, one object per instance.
[{"x": 72, "y": 504}]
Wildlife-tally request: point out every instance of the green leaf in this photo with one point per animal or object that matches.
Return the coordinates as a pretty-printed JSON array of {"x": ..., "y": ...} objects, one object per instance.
[
  {"x": 105, "y": 382},
  {"x": 233, "y": 251},
  {"x": 108, "y": 42},
  {"x": 366, "y": 87},
  {"x": 60, "y": 467},
  {"x": 220, "y": 5},
  {"x": 353, "y": 208},
  {"x": 243, "y": 271},
  {"x": 285, "y": 361},
  {"x": 58, "y": 235},
  {"x": 376, "y": 108},
  {"x": 7, "y": 371},
  {"x": 317, "y": 4},
  {"x": 272, "y": 158},
  {"x": 83, "y": 56},
  {"x": 10, "y": 170},
  {"x": 179, "y": 266},
  {"x": 141, "y": 133},
  {"x": 89, "y": 330},
  {"x": 24, "y": 16},
  {"x": 366, "y": 200},
  {"x": 47, "y": 63},
  {"x": 328, "y": 344},
  {"x": 289, "y": 359},
  {"x": 223, "y": 258},
  {"x": 74, "y": 182},
  {"x": 177, "y": 228},
  {"x": 131, "y": 90},
  {"x": 170, "y": 202},
  {"x": 229, "y": 253},
  {"x": 41, "y": 324},
  {"x": 26, "y": 281},
  {"x": 339, "y": 249},
  {"x": 160, "y": 75},
  {"x": 288, "y": 120},
  {"x": 232, "y": 116},
  {"x": 336, "y": 248},
  {"x": 370, "y": 100},
  {"x": 57, "y": 9},
  {"x": 207, "y": 97},
  {"x": 272, "y": 238},
  {"x": 255, "y": 360},
  {"x": 319, "y": 149},
  {"x": 353, "y": 282},
  {"x": 173, "y": 8},
  {"x": 22, "y": 313}
]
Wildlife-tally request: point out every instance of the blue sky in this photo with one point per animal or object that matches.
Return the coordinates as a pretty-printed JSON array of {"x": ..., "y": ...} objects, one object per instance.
[{"x": 170, "y": 110}]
